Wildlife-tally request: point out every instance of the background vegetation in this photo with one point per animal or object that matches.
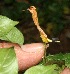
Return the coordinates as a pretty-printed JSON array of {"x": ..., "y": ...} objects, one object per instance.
[{"x": 54, "y": 18}]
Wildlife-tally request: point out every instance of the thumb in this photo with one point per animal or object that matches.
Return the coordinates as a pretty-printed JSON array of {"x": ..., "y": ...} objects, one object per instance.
[{"x": 29, "y": 55}]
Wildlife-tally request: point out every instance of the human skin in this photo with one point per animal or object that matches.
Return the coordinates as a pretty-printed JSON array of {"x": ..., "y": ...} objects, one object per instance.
[{"x": 65, "y": 71}]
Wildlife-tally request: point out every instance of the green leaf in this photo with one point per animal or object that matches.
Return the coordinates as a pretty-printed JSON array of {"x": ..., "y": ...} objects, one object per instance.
[
  {"x": 8, "y": 61},
  {"x": 61, "y": 59},
  {"x": 55, "y": 57},
  {"x": 4, "y": 38},
  {"x": 41, "y": 69},
  {"x": 67, "y": 59},
  {"x": 14, "y": 36},
  {"x": 6, "y": 25}
]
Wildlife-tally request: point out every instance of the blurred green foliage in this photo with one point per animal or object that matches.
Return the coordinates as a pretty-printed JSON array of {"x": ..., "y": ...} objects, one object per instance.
[{"x": 52, "y": 12}]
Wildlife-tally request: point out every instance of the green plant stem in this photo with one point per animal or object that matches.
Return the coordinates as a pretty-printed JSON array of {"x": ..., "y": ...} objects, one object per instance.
[{"x": 44, "y": 58}]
